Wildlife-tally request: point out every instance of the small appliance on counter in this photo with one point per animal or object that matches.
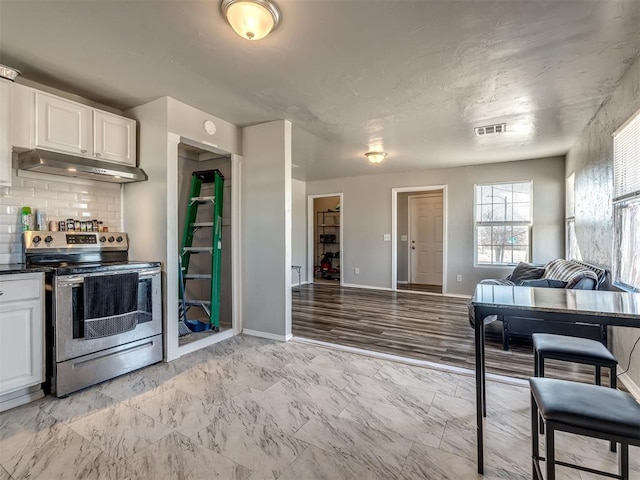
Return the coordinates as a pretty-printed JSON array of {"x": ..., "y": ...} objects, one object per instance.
[{"x": 103, "y": 313}]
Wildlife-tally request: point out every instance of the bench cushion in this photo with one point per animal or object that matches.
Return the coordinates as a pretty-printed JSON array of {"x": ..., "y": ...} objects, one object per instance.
[
  {"x": 599, "y": 409},
  {"x": 578, "y": 348}
]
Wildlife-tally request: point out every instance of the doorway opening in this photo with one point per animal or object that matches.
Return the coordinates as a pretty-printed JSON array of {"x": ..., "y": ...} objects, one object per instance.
[
  {"x": 325, "y": 239},
  {"x": 419, "y": 240},
  {"x": 197, "y": 279}
]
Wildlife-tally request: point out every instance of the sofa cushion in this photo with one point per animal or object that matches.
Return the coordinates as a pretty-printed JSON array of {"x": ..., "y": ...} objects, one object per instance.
[
  {"x": 525, "y": 271},
  {"x": 568, "y": 271},
  {"x": 497, "y": 281},
  {"x": 543, "y": 282}
]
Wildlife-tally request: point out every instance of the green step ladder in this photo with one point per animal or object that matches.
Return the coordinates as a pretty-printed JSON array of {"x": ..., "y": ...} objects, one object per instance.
[{"x": 212, "y": 305}]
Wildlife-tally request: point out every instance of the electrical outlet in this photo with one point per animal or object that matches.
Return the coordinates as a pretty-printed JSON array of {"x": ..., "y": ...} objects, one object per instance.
[
  {"x": 403, "y": 238},
  {"x": 357, "y": 270},
  {"x": 387, "y": 237},
  {"x": 458, "y": 278}
]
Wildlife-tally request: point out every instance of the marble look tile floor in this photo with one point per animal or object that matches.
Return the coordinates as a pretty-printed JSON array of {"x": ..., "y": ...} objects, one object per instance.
[{"x": 253, "y": 409}]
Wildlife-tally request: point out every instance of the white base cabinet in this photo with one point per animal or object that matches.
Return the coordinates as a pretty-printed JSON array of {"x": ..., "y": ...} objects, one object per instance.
[{"x": 22, "y": 349}]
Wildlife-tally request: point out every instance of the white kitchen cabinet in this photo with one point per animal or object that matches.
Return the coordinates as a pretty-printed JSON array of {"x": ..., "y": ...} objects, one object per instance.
[
  {"x": 114, "y": 138},
  {"x": 49, "y": 122},
  {"x": 5, "y": 133},
  {"x": 22, "y": 362},
  {"x": 63, "y": 125}
]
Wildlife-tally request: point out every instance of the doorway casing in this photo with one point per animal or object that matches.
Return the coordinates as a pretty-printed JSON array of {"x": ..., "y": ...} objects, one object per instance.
[
  {"x": 311, "y": 234},
  {"x": 394, "y": 230}
]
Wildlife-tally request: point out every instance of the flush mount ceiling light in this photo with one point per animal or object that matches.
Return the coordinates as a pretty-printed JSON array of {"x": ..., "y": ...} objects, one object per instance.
[
  {"x": 251, "y": 19},
  {"x": 375, "y": 157},
  {"x": 8, "y": 72}
]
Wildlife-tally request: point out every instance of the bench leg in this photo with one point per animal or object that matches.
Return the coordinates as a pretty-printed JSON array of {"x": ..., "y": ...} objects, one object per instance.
[
  {"x": 541, "y": 374},
  {"x": 623, "y": 461},
  {"x": 613, "y": 383},
  {"x": 505, "y": 333},
  {"x": 535, "y": 442},
  {"x": 550, "y": 454}
]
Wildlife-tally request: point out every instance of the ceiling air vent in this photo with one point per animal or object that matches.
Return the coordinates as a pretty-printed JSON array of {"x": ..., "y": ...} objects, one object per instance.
[{"x": 490, "y": 129}]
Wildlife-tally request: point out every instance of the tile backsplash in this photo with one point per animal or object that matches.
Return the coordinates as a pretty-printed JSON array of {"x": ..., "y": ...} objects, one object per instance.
[{"x": 60, "y": 198}]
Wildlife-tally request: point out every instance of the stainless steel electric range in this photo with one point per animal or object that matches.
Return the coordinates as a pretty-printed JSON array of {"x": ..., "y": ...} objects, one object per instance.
[{"x": 103, "y": 313}]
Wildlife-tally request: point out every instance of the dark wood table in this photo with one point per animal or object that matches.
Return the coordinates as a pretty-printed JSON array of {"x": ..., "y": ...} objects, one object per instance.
[{"x": 556, "y": 304}]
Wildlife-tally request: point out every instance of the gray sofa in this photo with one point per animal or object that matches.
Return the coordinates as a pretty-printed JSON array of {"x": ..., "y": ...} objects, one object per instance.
[{"x": 555, "y": 274}]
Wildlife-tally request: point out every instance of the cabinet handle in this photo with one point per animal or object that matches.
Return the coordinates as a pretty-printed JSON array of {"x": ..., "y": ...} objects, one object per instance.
[
  {"x": 1, "y": 292},
  {"x": 97, "y": 154},
  {"x": 83, "y": 151}
]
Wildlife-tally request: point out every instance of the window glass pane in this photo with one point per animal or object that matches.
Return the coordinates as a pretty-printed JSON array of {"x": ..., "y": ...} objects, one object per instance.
[
  {"x": 626, "y": 266},
  {"x": 502, "y": 205}
]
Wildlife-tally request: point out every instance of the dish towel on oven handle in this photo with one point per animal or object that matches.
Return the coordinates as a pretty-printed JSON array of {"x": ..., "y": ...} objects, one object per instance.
[{"x": 110, "y": 304}]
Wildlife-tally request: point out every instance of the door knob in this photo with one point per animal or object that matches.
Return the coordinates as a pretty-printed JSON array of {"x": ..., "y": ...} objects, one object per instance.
[{"x": 413, "y": 248}]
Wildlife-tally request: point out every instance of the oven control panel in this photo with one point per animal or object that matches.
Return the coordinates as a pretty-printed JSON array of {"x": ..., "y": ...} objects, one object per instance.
[{"x": 69, "y": 241}]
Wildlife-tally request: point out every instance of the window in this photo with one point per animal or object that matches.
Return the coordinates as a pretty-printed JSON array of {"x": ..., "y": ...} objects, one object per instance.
[
  {"x": 503, "y": 223},
  {"x": 626, "y": 204},
  {"x": 572, "y": 250}
]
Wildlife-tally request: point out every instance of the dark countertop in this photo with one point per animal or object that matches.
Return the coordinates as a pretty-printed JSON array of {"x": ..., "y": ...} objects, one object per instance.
[{"x": 12, "y": 268}]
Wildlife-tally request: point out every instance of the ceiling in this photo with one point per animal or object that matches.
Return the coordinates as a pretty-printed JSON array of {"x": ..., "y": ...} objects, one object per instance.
[{"x": 412, "y": 77}]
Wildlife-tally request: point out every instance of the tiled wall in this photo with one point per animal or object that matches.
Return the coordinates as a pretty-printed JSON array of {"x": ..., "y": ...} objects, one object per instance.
[{"x": 60, "y": 198}]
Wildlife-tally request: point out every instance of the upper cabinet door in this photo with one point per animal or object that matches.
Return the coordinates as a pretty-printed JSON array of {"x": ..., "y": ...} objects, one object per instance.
[
  {"x": 114, "y": 138},
  {"x": 5, "y": 133},
  {"x": 63, "y": 125}
]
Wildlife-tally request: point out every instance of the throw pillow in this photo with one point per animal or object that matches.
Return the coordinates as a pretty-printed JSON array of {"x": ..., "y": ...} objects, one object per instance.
[
  {"x": 568, "y": 271},
  {"x": 526, "y": 271}
]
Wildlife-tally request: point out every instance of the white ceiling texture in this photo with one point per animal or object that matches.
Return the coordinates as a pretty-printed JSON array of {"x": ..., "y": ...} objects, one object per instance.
[{"x": 410, "y": 76}]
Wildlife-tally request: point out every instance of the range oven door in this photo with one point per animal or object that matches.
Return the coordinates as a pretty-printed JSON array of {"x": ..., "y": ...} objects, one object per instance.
[{"x": 68, "y": 314}]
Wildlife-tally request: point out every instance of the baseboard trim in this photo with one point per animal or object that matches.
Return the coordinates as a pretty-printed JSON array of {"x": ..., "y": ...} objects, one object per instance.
[
  {"x": 267, "y": 335},
  {"x": 204, "y": 342},
  {"x": 633, "y": 388},
  {"x": 366, "y": 287},
  {"x": 412, "y": 361},
  {"x": 22, "y": 397},
  {"x": 386, "y": 289}
]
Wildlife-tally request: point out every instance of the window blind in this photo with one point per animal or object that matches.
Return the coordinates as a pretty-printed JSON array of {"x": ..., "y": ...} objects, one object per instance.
[{"x": 626, "y": 159}]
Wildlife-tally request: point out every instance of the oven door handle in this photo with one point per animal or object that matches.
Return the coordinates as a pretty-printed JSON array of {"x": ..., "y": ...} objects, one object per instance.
[{"x": 75, "y": 281}]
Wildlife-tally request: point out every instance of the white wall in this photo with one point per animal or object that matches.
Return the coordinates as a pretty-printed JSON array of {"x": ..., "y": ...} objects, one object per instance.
[
  {"x": 299, "y": 228},
  {"x": 367, "y": 217},
  {"x": 266, "y": 228},
  {"x": 592, "y": 161}
]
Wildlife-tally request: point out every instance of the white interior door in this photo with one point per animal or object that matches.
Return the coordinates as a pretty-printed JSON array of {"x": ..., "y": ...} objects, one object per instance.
[{"x": 426, "y": 239}]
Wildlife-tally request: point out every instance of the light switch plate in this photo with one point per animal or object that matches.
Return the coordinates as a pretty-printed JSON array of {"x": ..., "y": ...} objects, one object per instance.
[
  {"x": 387, "y": 237},
  {"x": 404, "y": 238}
]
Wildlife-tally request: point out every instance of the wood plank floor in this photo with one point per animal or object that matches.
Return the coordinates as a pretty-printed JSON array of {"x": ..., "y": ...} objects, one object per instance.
[
  {"x": 424, "y": 327},
  {"x": 419, "y": 287}
]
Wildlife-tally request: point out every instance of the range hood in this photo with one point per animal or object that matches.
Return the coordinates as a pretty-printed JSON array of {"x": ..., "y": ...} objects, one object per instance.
[{"x": 67, "y": 165}]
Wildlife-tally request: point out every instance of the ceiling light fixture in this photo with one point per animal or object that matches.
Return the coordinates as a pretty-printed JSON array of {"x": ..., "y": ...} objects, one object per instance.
[
  {"x": 8, "y": 72},
  {"x": 251, "y": 19},
  {"x": 375, "y": 157}
]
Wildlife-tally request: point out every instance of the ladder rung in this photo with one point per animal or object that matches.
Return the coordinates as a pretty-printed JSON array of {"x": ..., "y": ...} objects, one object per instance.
[
  {"x": 194, "y": 276},
  {"x": 203, "y": 199},
  {"x": 202, "y": 224},
  {"x": 197, "y": 249},
  {"x": 197, "y": 302}
]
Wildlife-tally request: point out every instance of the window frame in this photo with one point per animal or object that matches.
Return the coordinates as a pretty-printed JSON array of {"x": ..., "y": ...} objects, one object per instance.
[
  {"x": 626, "y": 192},
  {"x": 511, "y": 223}
]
